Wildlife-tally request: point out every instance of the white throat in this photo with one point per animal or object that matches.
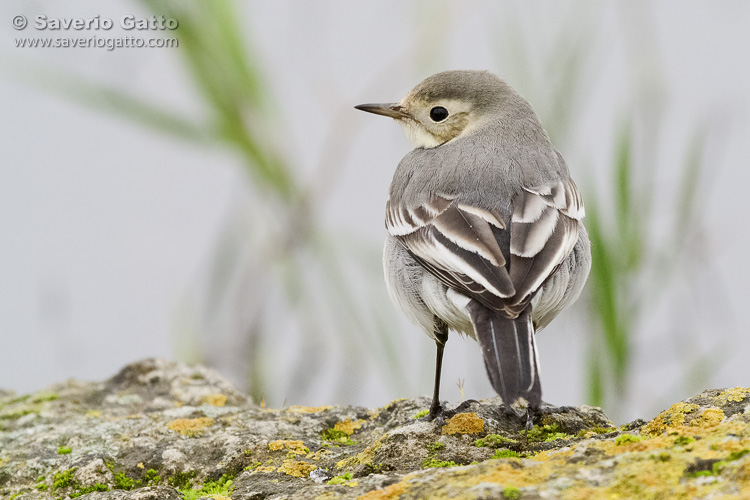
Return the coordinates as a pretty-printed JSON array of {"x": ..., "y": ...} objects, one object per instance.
[{"x": 417, "y": 135}]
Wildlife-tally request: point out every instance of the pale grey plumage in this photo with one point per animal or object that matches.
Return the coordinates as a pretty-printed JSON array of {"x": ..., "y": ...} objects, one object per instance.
[{"x": 484, "y": 221}]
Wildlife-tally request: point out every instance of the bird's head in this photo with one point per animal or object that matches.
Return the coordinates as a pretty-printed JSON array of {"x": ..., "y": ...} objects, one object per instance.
[{"x": 447, "y": 105}]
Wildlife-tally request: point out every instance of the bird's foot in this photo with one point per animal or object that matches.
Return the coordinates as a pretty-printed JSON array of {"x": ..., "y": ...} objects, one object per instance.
[
  {"x": 460, "y": 408},
  {"x": 438, "y": 412},
  {"x": 534, "y": 414}
]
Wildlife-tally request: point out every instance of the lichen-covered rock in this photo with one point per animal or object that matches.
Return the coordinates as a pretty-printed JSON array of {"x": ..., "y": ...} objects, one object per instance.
[{"x": 163, "y": 430}]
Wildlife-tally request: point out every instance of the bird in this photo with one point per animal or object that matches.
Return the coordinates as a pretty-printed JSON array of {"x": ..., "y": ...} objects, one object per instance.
[{"x": 485, "y": 232}]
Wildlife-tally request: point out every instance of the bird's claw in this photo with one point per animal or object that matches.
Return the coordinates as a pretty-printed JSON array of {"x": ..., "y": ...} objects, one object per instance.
[
  {"x": 460, "y": 408},
  {"x": 535, "y": 413},
  {"x": 439, "y": 414}
]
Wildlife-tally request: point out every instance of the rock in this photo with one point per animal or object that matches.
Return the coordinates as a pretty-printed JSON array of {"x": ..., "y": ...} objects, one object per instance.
[{"x": 158, "y": 430}]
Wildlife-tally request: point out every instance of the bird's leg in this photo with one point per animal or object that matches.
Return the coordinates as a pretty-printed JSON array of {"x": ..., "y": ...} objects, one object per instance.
[{"x": 441, "y": 337}]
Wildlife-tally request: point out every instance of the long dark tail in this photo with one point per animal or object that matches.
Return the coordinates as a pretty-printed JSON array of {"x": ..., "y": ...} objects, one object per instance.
[{"x": 509, "y": 353}]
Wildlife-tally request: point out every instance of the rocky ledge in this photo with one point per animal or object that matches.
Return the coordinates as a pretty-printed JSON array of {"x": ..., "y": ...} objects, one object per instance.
[{"x": 163, "y": 430}]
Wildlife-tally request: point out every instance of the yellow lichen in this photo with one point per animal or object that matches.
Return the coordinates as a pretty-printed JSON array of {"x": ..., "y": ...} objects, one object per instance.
[
  {"x": 387, "y": 493},
  {"x": 709, "y": 418},
  {"x": 140, "y": 465},
  {"x": 392, "y": 403},
  {"x": 294, "y": 447},
  {"x": 318, "y": 454},
  {"x": 265, "y": 468},
  {"x": 309, "y": 409},
  {"x": 366, "y": 456},
  {"x": 610, "y": 447},
  {"x": 214, "y": 399},
  {"x": 655, "y": 482},
  {"x": 649, "y": 469},
  {"x": 297, "y": 468},
  {"x": 464, "y": 423},
  {"x": 669, "y": 419},
  {"x": 504, "y": 473},
  {"x": 93, "y": 413},
  {"x": 328, "y": 495},
  {"x": 736, "y": 394},
  {"x": 190, "y": 426},
  {"x": 348, "y": 426}
]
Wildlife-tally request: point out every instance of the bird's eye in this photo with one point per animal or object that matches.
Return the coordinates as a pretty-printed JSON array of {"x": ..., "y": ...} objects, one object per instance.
[{"x": 438, "y": 114}]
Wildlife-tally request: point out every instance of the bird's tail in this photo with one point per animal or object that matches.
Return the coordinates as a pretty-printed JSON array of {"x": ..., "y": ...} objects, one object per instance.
[{"x": 509, "y": 353}]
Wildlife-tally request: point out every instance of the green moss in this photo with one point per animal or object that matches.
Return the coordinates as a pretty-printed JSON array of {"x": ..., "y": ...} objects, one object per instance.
[
  {"x": 45, "y": 396},
  {"x": 545, "y": 433},
  {"x": 336, "y": 437},
  {"x": 493, "y": 441},
  {"x": 80, "y": 491},
  {"x": 15, "y": 415},
  {"x": 699, "y": 473},
  {"x": 434, "y": 462},
  {"x": 182, "y": 480},
  {"x": 378, "y": 468},
  {"x": 506, "y": 454},
  {"x": 421, "y": 414},
  {"x": 152, "y": 477},
  {"x": 716, "y": 467},
  {"x": 64, "y": 450},
  {"x": 341, "y": 479},
  {"x": 63, "y": 479},
  {"x": 683, "y": 440},
  {"x": 511, "y": 493},
  {"x": 221, "y": 486},
  {"x": 627, "y": 438},
  {"x": 33, "y": 405},
  {"x": 254, "y": 465},
  {"x": 19, "y": 399},
  {"x": 736, "y": 455},
  {"x": 123, "y": 482},
  {"x": 41, "y": 485},
  {"x": 435, "y": 447}
]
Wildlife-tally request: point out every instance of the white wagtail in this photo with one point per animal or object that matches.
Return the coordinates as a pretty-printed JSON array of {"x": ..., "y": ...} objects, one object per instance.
[{"x": 484, "y": 222}]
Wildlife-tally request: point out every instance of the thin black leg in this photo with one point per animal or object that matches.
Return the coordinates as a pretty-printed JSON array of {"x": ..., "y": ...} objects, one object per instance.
[{"x": 441, "y": 337}]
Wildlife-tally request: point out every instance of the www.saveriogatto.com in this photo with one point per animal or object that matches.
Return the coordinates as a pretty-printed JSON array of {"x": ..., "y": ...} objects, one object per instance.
[{"x": 77, "y": 32}]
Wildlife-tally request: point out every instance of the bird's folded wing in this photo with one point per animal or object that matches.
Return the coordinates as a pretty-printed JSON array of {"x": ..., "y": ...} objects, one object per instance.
[
  {"x": 461, "y": 244},
  {"x": 543, "y": 231}
]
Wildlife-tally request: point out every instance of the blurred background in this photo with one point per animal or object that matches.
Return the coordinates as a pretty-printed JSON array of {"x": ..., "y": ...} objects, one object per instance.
[{"x": 222, "y": 202}]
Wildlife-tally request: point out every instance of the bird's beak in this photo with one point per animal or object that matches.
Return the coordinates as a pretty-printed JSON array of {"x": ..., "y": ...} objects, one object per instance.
[{"x": 392, "y": 109}]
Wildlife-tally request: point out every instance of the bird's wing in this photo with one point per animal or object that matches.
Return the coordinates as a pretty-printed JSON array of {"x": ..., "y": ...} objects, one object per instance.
[
  {"x": 543, "y": 231},
  {"x": 499, "y": 263}
]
